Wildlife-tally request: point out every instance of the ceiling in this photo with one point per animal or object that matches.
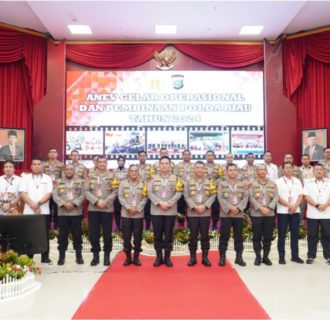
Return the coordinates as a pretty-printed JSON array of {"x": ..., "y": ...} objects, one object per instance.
[{"x": 195, "y": 20}]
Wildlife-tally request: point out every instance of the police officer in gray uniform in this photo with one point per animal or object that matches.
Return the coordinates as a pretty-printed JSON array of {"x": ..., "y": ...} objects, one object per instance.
[
  {"x": 101, "y": 191},
  {"x": 69, "y": 196},
  {"x": 199, "y": 194},
  {"x": 132, "y": 195},
  {"x": 263, "y": 200},
  {"x": 164, "y": 190},
  {"x": 233, "y": 197}
]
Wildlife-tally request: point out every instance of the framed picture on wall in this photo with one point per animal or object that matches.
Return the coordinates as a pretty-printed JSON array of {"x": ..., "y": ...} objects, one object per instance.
[
  {"x": 12, "y": 142},
  {"x": 313, "y": 142}
]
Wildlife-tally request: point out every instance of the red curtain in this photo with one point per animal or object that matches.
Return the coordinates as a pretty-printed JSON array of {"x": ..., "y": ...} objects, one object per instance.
[
  {"x": 306, "y": 78},
  {"x": 131, "y": 55},
  {"x": 23, "y": 67}
]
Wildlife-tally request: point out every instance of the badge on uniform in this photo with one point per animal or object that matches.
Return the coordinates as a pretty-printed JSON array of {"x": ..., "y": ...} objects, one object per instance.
[
  {"x": 98, "y": 192},
  {"x": 199, "y": 198}
]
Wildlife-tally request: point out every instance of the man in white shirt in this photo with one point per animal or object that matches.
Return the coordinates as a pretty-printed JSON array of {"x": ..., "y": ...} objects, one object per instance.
[
  {"x": 272, "y": 170},
  {"x": 35, "y": 190},
  {"x": 9, "y": 183},
  {"x": 290, "y": 193},
  {"x": 317, "y": 195}
]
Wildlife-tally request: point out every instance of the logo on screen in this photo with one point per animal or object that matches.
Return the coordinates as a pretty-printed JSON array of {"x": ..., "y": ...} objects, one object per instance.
[{"x": 177, "y": 80}]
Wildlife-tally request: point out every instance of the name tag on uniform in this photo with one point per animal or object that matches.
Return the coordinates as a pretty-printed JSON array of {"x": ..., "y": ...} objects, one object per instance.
[
  {"x": 69, "y": 195},
  {"x": 199, "y": 198},
  {"x": 233, "y": 199},
  {"x": 263, "y": 200},
  {"x": 98, "y": 192}
]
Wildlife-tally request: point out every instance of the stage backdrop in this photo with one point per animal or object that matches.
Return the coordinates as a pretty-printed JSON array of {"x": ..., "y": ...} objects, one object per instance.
[{"x": 123, "y": 112}]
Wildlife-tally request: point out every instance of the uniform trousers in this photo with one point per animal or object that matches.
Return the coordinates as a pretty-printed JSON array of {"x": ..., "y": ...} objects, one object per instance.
[
  {"x": 147, "y": 214},
  {"x": 199, "y": 225},
  {"x": 53, "y": 208},
  {"x": 96, "y": 220},
  {"x": 163, "y": 230},
  {"x": 215, "y": 209},
  {"x": 67, "y": 224},
  {"x": 262, "y": 228},
  {"x": 313, "y": 228},
  {"x": 132, "y": 227},
  {"x": 117, "y": 206},
  {"x": 226, "y": 224},
  {"x": 283, "y": 221}
]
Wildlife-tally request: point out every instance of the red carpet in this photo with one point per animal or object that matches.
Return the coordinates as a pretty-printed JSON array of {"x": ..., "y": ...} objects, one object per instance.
[{"x": 180, "y": 292}]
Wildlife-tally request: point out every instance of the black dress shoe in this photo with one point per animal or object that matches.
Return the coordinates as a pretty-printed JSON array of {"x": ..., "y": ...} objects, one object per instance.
[
  {"x": 310, "y": 261},
  {"x": 60, "y": 262},
  {"x": 222, "y": 261},
  {"x": 297, "y": 260},
  {"x": 281, "y": 260},
  {"x": 79, "y": 259},
  {"x": 159, "y": 261},
  {"x": 257, "y": 261},
  {"x": 46, "y": 260},
  {"x": 266, "y": 261},
  {"x": 96, "y": 260},
  {"x": 192, "y": 261}
]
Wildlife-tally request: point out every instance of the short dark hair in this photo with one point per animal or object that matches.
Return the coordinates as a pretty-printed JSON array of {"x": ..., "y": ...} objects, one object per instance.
[
  {"x": 318, "y": 165},
  {"x": 50, "y": 149},
  {"x": 9, "y": 161},
  {"x": 186, "y": 151},
  {"x": 101, "y": 157},
  {"x": 36, "y": 159},
  {"x": 200, "y": 162},
  {"x": 76, "y": 151},
  {"x": 142, "y": 151},
  {"x": 249, "y": 154},
  {"x": 12, "y": 133},
  {"x": 285, "y": 163},
  {"x": 209, "y": 151},
  {"x": 267, "y": 151},
  {"x": 164, "y": 157},
  {"x": 231, "y": 165},
  {"x": 306, "y": 155}
]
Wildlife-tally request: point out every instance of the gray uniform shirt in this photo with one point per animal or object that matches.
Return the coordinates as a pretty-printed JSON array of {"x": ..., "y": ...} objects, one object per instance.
[
  {"x": 132, "y": 195},
  {"x": 199, "y": 193},
  {"x": 69, "y": 190},
  {"x": 263, "y": 195},
  {"x": 164, "y": 189},
  {"x": 232, "y": 194},
  {"x": 101, "y": 186}
]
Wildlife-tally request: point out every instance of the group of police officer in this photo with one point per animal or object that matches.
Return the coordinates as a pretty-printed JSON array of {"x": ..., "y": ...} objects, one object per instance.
[{"x": 199, "y": 190}]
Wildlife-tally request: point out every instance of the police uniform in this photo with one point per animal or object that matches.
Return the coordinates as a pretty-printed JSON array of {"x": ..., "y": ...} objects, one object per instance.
[
  {"x": 120, "y": 174},
  {"x": 183, "y": 171},
  {"x": 164, "y": 189},
  {"x": 146, "y": 171},
  {"x": 132, "y": 195},
  {"x": 232, "y": 194},
  {"x": 69, "y": 190},
  {"x": 199, "y": 193},
  {"x": 263, "y": 194},
  {"x": 80, "y": 170},
  {"x": 54, "y": 169},
  {"x": 248, "y": 173},
  {"x": 214, "y": 172},
  {"x": 101, "y": 186}
]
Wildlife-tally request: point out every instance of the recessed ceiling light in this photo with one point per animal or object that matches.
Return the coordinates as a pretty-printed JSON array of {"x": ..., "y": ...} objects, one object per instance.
[
  {"x": 79, "y": 29},
  {"x": 251, "y": 29},
  {"x": 165, "y": 29}
]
